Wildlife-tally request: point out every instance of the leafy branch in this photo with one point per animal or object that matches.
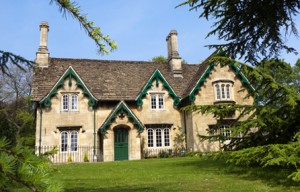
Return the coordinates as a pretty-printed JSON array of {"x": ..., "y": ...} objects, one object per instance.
[
  {"x": 102, "y": 41},
  {"x": 248, "y": 29},
  {"x": 7, "y": 58}
]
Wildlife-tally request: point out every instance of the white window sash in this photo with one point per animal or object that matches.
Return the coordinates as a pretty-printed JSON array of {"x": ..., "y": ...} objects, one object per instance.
[
  {"x": 160, "y": 138},
  {"x": 157, "y": 101}
]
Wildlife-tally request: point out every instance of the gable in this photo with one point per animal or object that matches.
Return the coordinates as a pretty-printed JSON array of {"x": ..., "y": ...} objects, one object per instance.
[
  {"x": 121, "y": 108},
  {"x": 68, "y": 75},
  {"x": 202, "y": 79},
  {"x": 156, "y": 77}
]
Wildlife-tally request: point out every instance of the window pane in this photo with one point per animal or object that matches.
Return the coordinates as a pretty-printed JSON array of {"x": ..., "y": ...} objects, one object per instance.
[
  {"x": 74, "y": 140},
  {"x": 218, "y": 92},
  {"x": 224, "y": 131},
  {"x": 228, "y": 91},
  {"x": 158, "y": 138},
  {"x": 150, "y": 137},
  {"x": 64, "y": 141},
  {"x": 160, "y": 101},
  {"x": 74, "y": 102},
  {"x": 167, "y": 137},
  {"x": 65, "y": 103},
  {"x": 223, "y": 91},
  {"x": 153, "y": 101}
]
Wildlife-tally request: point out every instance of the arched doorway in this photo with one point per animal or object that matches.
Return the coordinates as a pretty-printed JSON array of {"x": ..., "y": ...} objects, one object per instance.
[{"x": 121, "y": 143}]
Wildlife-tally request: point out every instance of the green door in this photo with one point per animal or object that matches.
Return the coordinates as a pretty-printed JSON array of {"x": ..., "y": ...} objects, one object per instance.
[{"x": 121, "y": 144}]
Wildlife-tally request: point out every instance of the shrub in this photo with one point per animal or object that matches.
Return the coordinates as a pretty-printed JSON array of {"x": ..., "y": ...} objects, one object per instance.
[
  {"x": 69, "y": 159},
  {"x": 85, "y": 158}
]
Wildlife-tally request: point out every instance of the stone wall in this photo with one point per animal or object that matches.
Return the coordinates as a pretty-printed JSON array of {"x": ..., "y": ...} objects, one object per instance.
[{"x": 207, "y": 96}]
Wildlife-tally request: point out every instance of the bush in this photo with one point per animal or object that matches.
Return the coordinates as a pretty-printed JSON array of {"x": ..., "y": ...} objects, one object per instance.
[
  {"x": 85, "y": 158},
  {"x": 164, "y": 154},
  {"x": 285, "y": 156}
]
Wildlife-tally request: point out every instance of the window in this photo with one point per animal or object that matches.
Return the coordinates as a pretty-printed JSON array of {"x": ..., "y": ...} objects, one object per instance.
[
  {"x": 158, "y": 137},
  {"x": 69, "y": 141},
  {"x": 74, "y": 102},
  {"x": 223, "y": 91},
  {"x": 157, "y": 101},
  {"x": 150, "y": 138},
  {"x": 70, "y": 102},
  {"x": 223, "y": 130},
  {"x": 167, "y": 137},
  {"x": 64, "y": 141},
  {"x": 65, "y": 101},
  {"x": 74, "y": 140}
]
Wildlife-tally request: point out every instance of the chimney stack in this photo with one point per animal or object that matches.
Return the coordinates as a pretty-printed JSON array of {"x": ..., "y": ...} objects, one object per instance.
[
  {"x": 174, "y": 59},
  {"x": 42, "y": 55}
]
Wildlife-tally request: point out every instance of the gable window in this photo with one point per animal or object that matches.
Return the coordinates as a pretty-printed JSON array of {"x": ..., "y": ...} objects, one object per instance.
[
  {"x": 65, "y": 102},
  {"x": 74, "y": 102},
  {"x": 70, "y": 102},
  {"x": 158, "y": 136},
  {"x": 223, "y": 91},
  {"x": 69, "y": 141},
  {"x": 157, "y": 101}
]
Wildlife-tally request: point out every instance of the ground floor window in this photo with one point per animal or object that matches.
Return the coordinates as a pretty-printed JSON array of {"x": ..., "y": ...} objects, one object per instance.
[
  {"x": 222, "y": 130},
  {"x": 69, "y": 140},
  {"x": 158, "y": 135}
]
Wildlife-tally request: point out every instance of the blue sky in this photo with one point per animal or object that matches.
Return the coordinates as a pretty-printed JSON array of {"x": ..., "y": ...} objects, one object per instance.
[{"x": 139, "y": 27}]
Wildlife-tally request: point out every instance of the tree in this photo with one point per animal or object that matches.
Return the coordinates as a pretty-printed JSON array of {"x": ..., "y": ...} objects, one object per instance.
[
  {"x": 162, "y": 59},
  {"x": 19, "y": 166},
  {"x": 250, "y": 29},
  {"x": 159, "y": 59},
  {"x": 270, "y": 128},
  {"x": 296, "y": 76}
]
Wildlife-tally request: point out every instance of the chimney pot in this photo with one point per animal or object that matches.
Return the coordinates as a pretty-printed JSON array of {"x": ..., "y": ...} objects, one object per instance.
[
  {"x": 42, "y": 55},
  {"x": 173, "y": 55}
]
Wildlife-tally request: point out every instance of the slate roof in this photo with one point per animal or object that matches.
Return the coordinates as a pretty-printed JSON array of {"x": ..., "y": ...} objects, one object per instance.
[{"x": 113, "y": 80}]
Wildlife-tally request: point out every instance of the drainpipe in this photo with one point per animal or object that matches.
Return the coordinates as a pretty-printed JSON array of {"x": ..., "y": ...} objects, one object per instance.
[
  {"x": 185, "y": 132},
  {"x": 94, "y": 150},
  {"x": 40, "y": 139}
]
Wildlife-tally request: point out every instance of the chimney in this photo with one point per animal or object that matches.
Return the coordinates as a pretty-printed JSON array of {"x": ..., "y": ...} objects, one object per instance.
[
  {"x": 174, "y": 59},
  {"x": 42, "y": 55}
]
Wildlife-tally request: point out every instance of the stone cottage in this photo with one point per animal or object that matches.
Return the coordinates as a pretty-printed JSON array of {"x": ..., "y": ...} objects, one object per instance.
[{"x": 105, "y": 110}]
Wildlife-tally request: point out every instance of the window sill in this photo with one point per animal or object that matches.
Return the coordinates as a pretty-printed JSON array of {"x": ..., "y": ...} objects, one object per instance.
[
  {"x": 69, "y": 111},
  {"x": 224, "y": 101},
  {"x": 157, "y": 110}
]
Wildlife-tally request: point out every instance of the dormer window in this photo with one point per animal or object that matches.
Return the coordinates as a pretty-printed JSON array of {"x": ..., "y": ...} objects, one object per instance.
[
  {"x": 157, "y": 101},
  {"x": 70, "y": 102},
  {"x": 223, "y": 90}
]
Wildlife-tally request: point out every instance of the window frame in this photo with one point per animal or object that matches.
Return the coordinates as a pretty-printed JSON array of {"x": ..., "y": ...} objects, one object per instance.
[
  {"x": 74, "y": 102},
  {"x": 65, "y": 102},
  {"x": 159, "y": 137},
  {"x": 69, "y": 143},
  {"x": 157, "y": 101},
  {"x": 222, "y": 130},
  {"x": 223, "y": 90},
  {"x": 70, "y": 102}
]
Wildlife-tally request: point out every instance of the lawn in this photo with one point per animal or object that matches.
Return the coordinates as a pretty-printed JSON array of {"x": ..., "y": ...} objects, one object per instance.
[{"x": 171, "y": 174}]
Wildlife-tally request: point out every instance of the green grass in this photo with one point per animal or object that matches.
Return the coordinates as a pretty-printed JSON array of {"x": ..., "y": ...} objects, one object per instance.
[{"x": 173, "y": 174}]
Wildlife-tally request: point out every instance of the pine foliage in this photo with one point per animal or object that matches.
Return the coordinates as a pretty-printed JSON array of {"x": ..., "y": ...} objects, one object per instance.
[
  {"x": 19, "y": 166},
  {"x": 250, "y": 29},
  {"x": 267, "y": 133},
  {"x": 102, "y": 41}
]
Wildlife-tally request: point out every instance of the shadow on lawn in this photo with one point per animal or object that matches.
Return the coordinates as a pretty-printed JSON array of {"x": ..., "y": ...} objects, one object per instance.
[{"x": 271, "y": 176}]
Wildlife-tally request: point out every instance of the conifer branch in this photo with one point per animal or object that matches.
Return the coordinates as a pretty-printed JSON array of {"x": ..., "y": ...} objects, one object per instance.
[{"x": 102, "y": 41}]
